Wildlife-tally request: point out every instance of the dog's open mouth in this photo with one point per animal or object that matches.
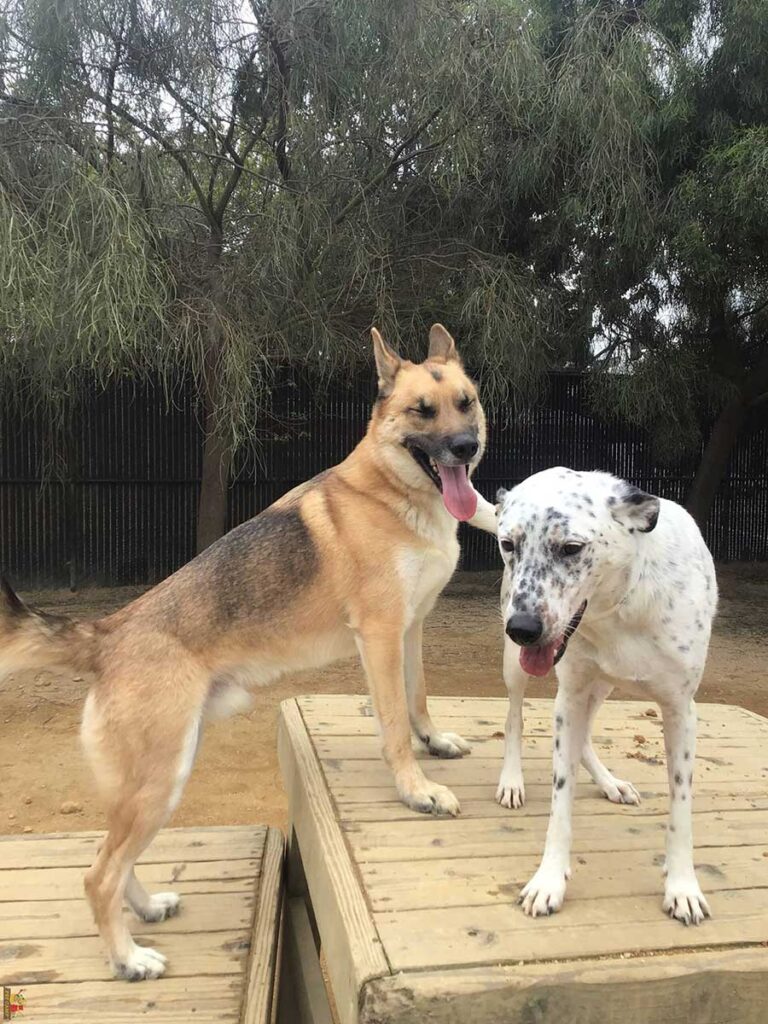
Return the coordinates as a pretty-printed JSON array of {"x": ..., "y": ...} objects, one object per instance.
[
  {"x": 538, "y": 659},
  {"x": 459, "y": 496}
]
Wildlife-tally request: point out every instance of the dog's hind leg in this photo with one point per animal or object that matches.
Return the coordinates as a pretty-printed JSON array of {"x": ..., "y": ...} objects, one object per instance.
[
  {"x": 511, "y": 789},
  {"x": 618, "y": 791},
  {"x": 142, "y": 769},
  {"x": 439, "y": 744},
  {"x": 161, "y": 905}
]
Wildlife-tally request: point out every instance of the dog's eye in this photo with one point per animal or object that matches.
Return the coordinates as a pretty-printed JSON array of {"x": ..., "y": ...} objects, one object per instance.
[
  {"x": 427, "y": 412},
  {"x": 466, "y": 403},
  {"x": 571, "y": 547},
  {"x": 507, "y": 545}
]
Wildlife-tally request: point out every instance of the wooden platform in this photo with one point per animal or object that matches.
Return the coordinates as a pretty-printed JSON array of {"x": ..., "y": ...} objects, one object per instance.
[
  {"x": 221, "y": 947},
  {"x": 418, "y": 915}
]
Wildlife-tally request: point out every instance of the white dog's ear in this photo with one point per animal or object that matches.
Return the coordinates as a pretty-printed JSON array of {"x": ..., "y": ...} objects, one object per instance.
[
  {"x": 634, "y": 508},
  {"x": 441, "y": 344},
  {"x": 501, "y": 495},
  {"x": 388, "y": 362}
]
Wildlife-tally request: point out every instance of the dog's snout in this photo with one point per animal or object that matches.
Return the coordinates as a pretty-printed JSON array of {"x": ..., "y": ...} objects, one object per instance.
[
  {"x": 524, "y": 629},
  {"x": 463, "y": 446}
]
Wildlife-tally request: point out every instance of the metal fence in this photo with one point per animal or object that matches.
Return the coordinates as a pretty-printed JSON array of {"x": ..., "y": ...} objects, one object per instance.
[{"x": 114, "y": 501}]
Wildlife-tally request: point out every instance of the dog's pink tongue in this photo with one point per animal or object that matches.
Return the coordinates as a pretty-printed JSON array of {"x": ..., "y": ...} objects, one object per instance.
[
  {"x": 458, "y": 494},
  {"x": 537, "y": 661}
]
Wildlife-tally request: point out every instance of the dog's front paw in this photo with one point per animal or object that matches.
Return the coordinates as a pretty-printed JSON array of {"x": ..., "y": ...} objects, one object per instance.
[
  {"x": 430, "y": 798},
  {"x": 142, "y": 962},
  {"x": 545, "y": 892},
  {"x": 161, "y": 906},
  {"x": 619, "y": 791},
  {"x": 447, "y": 744},
  {"x": 685, "y": 901},
  {"x": 510, "y": 792}
]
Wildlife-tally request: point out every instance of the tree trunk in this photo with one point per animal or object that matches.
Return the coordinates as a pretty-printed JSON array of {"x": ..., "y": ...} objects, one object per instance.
[
  {"x": 214, "y": 485},
  {"x": 714, "y": 460},
  {"x": 217, "y": 448}
]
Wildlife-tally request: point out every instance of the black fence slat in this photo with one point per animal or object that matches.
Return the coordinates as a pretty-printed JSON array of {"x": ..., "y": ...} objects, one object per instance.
[{"x": 112, "y": 499}]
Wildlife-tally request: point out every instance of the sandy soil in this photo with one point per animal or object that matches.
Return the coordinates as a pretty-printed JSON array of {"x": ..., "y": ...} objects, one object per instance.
[{"x": 236, "y": 779}]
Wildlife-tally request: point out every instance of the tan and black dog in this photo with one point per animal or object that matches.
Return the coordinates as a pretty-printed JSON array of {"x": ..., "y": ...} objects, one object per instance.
[{"x": 352, "y": 559}]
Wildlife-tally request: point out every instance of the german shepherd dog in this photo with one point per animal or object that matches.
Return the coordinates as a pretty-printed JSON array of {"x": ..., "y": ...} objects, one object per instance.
[{"x": 353, "y": 559}]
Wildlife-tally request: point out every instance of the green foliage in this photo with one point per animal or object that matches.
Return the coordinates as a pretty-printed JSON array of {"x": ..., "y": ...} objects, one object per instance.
[{"x": 212, "y": 187}]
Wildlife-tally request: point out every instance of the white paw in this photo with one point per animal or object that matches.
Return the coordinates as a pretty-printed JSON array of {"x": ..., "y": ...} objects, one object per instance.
[
  {"x": 447, "y": 744},
  {"x": 510, "y": 793},
  {"x": 620, "y": 792},
  {"x": 142, "y": 962},
  {"x": 431, "y": 798},
  {"x": 685, "y": 901},
  {"x": 545, "y": 892},
  {"x": 161, "y": 906}
]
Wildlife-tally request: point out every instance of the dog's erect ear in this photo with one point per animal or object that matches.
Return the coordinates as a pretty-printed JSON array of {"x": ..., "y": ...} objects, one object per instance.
[
  {"x": 634, "y": 508},
  {"x": 388, "y": 362},
  {"x": 441, "y": 344}
]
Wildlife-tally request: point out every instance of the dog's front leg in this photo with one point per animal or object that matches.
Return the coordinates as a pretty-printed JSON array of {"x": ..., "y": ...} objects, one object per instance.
[
  {"x": 439, "y": 744},
  {"x": 545, "y": 892},
  {"x": 382, "y": 654},
  {"x": 683, "y": 899},
  {"x": 511, "y": 789}
]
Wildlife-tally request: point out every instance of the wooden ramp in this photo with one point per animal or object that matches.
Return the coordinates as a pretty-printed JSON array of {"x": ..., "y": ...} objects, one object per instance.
[
  {"x": 418, "y": 915},
  {"x": 221, "y": 947}
]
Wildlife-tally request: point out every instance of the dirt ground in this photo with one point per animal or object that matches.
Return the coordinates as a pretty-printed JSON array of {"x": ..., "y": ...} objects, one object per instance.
[{"x": 45, "y": 784}]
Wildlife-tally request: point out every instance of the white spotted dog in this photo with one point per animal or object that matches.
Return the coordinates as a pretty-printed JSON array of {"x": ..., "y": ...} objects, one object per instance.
[{"x": 623, "y": 582}]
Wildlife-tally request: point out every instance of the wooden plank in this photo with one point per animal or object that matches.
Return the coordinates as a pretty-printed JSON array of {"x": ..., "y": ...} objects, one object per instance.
[
  {"x": 537, "y": 727},
  {"x": 200, "y": 912},
  {"x": 469, "y": 882},
  {"x": 424, "y": 839},
  {"x": 189, "y": 955},
  {"x": 338, "y": 705},
  {"x": 206, "y": 1000},
  {"x": 368, "y": 748},
  {"x": 499, "y": 933},
  {"x": 477, "y": 771},
  {"x": 364, "y": 799},
  {"x": 713, "y": 987},
  {"x": 591, "y": 804},
  {"x": 260, "y": 985},
  {"x": 348, "y": 933},
  {"x": 78, "y": 849},
  {"x": 193, "y": 877}
]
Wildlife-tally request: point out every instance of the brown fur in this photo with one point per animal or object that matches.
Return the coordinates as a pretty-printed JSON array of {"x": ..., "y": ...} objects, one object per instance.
[{"x": 355, "y": 557}]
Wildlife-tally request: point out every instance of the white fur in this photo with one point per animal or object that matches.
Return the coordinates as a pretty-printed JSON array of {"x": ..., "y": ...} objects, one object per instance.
[
  {"x": 184, "y": 767},
  {"x": 651, "y": 600}
]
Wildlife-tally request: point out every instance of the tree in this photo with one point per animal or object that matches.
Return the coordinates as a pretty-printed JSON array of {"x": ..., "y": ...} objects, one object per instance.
[
  {"x": 240, "y": 186},
  {"x": 691, "y": 335}
]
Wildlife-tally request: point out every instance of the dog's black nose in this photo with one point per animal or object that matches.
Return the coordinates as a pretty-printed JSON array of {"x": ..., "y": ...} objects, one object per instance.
[
  {"x": 524, "y": 629},
  {"x": 463, "y": 446}
]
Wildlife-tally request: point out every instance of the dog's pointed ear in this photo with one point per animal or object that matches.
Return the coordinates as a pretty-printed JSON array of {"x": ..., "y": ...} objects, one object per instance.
[
  {"x": 388, "y": 362},
  {"x": 441, "y": 344},
  {"x": 635, "y": 509}
]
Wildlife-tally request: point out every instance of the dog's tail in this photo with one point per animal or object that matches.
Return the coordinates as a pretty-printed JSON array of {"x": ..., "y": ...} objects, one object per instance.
[{"x": 30, "y": 638}]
